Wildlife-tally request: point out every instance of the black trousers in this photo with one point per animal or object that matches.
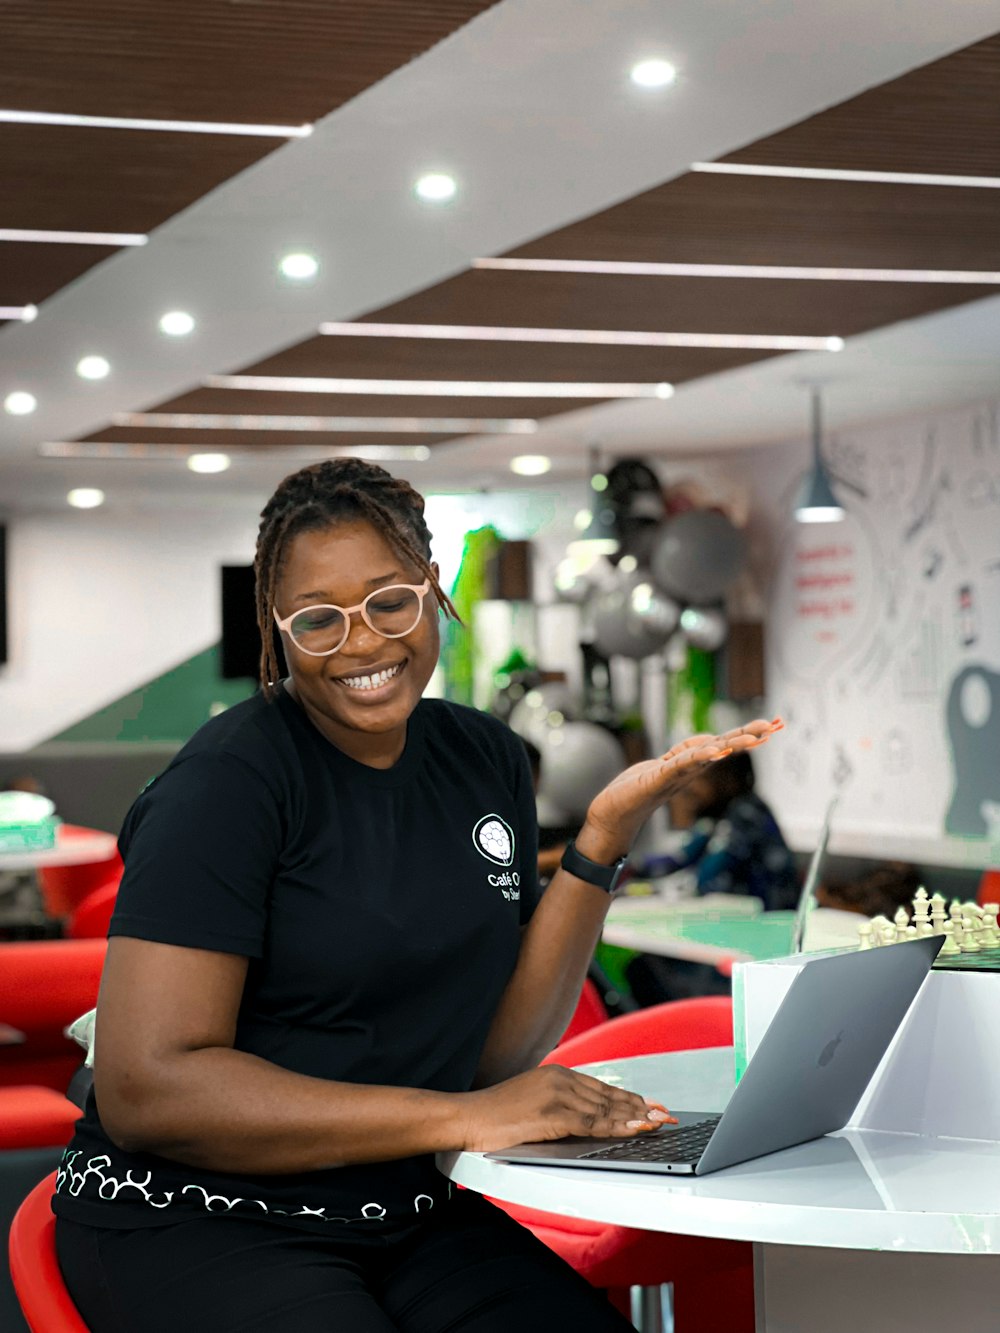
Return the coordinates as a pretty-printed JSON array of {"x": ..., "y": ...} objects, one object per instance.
[{"x": 468, "y": 1267}]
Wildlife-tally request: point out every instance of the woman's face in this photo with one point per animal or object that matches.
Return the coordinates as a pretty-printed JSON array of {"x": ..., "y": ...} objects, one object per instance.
[{"x": 340, "y": 565}]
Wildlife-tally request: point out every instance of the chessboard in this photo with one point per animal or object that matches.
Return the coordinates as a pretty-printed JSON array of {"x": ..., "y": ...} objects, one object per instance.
[{"x": 970, "y": 930}]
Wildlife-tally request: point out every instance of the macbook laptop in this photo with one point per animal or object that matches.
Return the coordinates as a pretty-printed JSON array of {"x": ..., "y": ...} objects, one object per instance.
[
  {"x": 815, "y": 1060},
  {"x": 807, "y": 898}
]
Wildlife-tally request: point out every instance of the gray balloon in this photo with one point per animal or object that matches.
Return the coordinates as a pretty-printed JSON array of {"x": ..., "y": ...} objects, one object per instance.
[
  {"x": 633, "y": 620},
  {"x": 579, "y": 759},
  {"x": 697, "y": 555},
  {"x": 704, "y": 627},
  {"x": 542, "y": 708}
]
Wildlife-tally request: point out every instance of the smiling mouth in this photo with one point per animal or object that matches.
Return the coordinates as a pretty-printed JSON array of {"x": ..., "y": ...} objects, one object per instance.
[{"x": 371, "y": 682}]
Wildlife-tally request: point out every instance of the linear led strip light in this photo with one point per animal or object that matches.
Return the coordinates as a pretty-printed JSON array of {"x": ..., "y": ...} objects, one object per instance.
[
  {"x": 117, "y": 450},
  {"x": 374, "y": 425},
  {"x": 596, "y": 337},
  {"x": 164, "y": 126},
  {"x": 643, "y": 269},
  {"x": 848, "y": 174},
  {"x": 35, "y": 236},
  {"x": 440, "y": 388},
  {"x": 25, "y": 313}
]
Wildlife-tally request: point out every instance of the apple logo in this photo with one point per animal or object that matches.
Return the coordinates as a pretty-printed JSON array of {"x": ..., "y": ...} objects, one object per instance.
[{"x": 829, "y": 1050}]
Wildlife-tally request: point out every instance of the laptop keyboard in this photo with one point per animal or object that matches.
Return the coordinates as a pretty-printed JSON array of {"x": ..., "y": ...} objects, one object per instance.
[{"x": 673, "y": 1145}]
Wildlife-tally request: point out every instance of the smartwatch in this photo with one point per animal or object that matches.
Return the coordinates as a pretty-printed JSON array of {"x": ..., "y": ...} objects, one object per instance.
[{"x": 605, "y": 877}]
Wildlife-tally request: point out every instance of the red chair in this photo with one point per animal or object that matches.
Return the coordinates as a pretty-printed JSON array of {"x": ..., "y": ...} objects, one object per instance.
[
  {"x": 90, "y": 921},
  {"x": 34, "y": 1117},
  {"x": 64, "y": 887},
  {"x": 589, "y": 1012},
  {"x": 45, "y": 1303},
  {"x": 712, "y": 1279},
  {"x": 989, "y": 887},
  {"x": 44, "y": 986}
]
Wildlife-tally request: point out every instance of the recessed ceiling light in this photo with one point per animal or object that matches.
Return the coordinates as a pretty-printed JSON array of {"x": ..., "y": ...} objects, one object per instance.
[
  {"x": 598, "y": 337},
  {"x": 653, "y": 73},
  {"x": 436, "y": 187},
  {"x": 20, "y": 403},
  {"x": 378, "y": 425},
  {"x": 435, "y": 388},
  {"x": 170, "y": 126},
  {"x": 530, "y": 465},
  {"x": 33, "y": 236},
  {"x": 85, "y": 497},
  {"x": 838, "y": 174},
  {"x": 25, "y": 313},
  {"x": 208, "y": 462},
  {"x": 644, "y": 269},
  {"x": 177, "y": 323},
  {"x": 299, "y": 266},
  {"x": 93, "y": 368}
]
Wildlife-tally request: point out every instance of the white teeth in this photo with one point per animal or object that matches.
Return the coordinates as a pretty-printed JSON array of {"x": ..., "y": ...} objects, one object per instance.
[{"x": 371, "y": 682}]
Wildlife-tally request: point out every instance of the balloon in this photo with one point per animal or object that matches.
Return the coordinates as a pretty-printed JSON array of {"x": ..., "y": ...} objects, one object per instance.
[
  {"x": 633, "y": 620},
  {"x": 697, "y": 555},
  {"x": 579, "y": 759},
  {"x": 571, "y": 582},
  {"x": 542, "y": 708},
  {"x": 704, "y": 627}
]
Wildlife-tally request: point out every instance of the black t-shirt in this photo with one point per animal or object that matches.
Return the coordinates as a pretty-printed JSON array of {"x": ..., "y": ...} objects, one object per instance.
[{"x": 380, "y": 910}]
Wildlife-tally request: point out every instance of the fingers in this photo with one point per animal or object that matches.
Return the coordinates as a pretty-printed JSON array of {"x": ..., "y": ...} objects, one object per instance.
[{"x": 615, "y": 1112}]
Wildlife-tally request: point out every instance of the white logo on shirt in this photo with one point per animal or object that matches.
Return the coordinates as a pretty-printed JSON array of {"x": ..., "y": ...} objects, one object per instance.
[{"x": 494, "y": 839}]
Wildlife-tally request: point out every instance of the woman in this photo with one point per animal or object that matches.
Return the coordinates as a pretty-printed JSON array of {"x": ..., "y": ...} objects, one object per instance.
[{"x": 329, "y": 962}]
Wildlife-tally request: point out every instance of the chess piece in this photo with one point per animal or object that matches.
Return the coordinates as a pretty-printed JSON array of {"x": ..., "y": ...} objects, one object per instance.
[
  {"x": 972, "y": 931},
  {"x": 949, "y": 948},
  {"x": 877, "y": 924},
  {"x": 937, "y": 913},
  {"x": 888, "y": 932},
  {"x": 865, "y": 936},
  {"x": 902, "y": 920},
  {"x": 921, "y": 914},
  {"x": 990, "y": 936}
]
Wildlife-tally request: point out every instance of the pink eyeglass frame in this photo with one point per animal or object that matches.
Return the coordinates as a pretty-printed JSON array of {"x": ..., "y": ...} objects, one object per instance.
[{"x": 421, "y": 590}]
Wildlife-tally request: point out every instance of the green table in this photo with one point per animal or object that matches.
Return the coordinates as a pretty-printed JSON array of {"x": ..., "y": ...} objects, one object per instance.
[{"x": 701, "y": 932}]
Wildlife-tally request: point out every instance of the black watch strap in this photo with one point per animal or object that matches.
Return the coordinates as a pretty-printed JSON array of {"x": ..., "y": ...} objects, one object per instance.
[{"x": 605, "y": 877}]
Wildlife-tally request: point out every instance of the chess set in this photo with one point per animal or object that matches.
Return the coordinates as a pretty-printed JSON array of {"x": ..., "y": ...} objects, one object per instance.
[{"x": 971, "y": 934}]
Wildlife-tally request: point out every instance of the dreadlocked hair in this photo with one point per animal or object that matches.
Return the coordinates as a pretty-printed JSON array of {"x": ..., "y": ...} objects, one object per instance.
[{"x": 327, "y": 493}]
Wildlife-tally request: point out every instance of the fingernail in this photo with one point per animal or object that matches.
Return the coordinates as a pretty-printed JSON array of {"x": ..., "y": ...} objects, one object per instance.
[
  {"x": 637, "y": 1124},
  {"x": 657, "y": 1115},
  {"x": 722, "y": 754}
]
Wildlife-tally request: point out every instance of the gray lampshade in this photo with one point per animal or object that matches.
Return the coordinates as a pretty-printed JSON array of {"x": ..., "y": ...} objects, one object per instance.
[
  {"x": 601, "y": 534},
  {"x": 816, "y": 502}
]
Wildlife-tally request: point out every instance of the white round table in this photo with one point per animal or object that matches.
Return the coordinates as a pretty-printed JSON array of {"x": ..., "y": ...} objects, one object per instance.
[
  {"x": 78, "y": 849},
  {"x": 861, "y": 1230}
]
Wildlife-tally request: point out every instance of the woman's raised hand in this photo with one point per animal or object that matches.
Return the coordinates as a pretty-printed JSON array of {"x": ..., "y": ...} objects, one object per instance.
[
  {"x": 553, "y": 1102},
  {"x": 618, "y": 812}
]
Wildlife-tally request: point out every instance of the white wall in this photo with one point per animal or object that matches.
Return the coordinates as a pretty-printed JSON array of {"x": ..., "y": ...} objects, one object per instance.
[
  {"x": 868, "y": 630},
  {"x": 98, "y": 604}
]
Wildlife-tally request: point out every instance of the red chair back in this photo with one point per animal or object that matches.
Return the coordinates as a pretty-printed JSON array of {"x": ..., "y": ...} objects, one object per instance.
[
  {"x": 678, "y": 1025},
  {"x": 589, "y": 1013},
  {"x": 64, "y": 887},
  {"x": 45, "y": 1303},
  {"x": 90, "y": 921},
  {"x": 44, "y": 986},
  {"x": 989, "y": 887}
]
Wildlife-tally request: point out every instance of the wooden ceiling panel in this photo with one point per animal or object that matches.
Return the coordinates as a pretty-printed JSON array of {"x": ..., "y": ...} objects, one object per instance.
[
  {"x": 712, "y": 219},
  {"x": 284, "y": 62},
  {"x": 434, "y": 359},
  {"x": 941, "y": 118},
  {"x": 248, "y": 439},
  {"x": 261, "y": 61},
  {"x": 30, "y": 273}
]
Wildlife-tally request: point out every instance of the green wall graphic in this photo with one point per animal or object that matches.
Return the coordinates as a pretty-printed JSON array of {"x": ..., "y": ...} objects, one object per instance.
[{"x": 169, "y": 708}]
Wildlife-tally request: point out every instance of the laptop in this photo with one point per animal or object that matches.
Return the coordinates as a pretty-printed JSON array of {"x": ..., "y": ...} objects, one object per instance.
[
  {"x": 808, "y": 1074},
  {"x": 807, "y": 898}
]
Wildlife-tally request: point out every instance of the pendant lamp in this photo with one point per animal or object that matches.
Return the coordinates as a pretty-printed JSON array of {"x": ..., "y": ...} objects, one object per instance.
[{"x": 816, "y": 502}]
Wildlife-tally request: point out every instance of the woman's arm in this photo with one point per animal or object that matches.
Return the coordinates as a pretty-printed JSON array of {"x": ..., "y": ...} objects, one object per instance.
[
  {"x": 560, "y": 939},
  {"x": 168, "y": 1081}
]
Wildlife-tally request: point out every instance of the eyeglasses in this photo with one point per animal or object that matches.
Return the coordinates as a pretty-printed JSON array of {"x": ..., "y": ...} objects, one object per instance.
[{"x": 391, "y": 612}]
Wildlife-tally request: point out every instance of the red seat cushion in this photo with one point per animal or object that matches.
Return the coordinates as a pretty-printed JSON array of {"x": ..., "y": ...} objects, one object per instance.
[
  {"x": 32, "y": 1117},
  {"x": 45, "y": 1302}
]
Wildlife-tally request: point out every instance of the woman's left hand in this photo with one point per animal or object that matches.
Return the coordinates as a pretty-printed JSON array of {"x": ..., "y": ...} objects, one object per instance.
[{"x": 618, "y": 812}]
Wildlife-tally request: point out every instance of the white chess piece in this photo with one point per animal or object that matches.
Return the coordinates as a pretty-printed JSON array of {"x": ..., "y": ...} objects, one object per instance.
[
  {"x": 970, "y": 934},
  {"x": 888, "y": 932},
  {"x": 949, "y": 947},
  {"x": 990, "y": 936},
  {"x": 902, "y": 920},
  {"x": 877, "y": 925},
  {"x": 921, "y": 914},
  {"x": 865, "y": 936},
  {"x": 937, "y": 913}
]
